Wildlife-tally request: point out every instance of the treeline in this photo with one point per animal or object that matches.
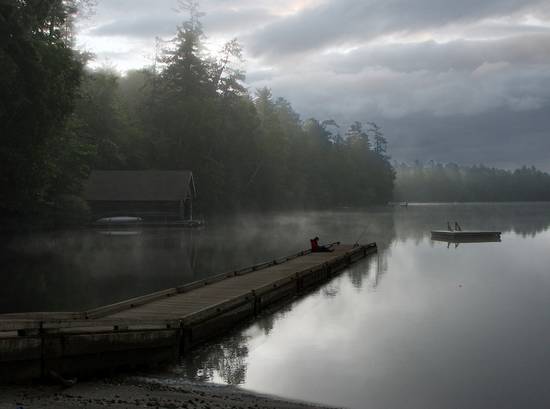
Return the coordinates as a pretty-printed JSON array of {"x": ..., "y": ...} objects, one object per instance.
[
  {"x": 436, "y": 182},
  {"x": 190, "y": 110}
]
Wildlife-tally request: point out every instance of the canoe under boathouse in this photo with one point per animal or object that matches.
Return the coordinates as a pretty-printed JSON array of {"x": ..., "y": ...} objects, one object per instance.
[{"x": 150, "y": 194}]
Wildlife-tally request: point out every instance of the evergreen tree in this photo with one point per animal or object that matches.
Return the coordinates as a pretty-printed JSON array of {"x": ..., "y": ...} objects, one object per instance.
[
  {"x": 380, "y": 143},
  {"x": 190, "y": 110},
  {"x": 39, "y": 79},
  {"x": 435, "y": 182},
  {"x": 355, "y": 135}
]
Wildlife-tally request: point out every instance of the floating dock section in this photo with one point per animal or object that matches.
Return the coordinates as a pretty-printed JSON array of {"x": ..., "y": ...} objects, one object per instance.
[
  {"x": 157, "y": 328},
  {"x": 465, "y": 236}
]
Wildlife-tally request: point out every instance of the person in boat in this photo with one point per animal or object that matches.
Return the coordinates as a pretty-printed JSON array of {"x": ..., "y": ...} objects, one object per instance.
[
  {"x": 317, "y": 248},
  {"x": 449, "y": 226},
  {"x": 457, "y": 227}
]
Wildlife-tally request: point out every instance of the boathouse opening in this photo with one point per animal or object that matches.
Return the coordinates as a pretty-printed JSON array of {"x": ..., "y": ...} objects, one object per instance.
[{"x": 149, "y": 194}]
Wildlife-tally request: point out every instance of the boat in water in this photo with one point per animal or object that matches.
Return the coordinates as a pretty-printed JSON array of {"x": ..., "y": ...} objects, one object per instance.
[
  {"x": 118, "y": 220},
  {"x": 124, "y": 222}
]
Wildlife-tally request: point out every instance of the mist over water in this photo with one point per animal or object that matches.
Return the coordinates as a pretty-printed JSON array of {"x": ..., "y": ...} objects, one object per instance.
[
  {"x": 79, "y": 269},
  {"x": 423, "y": 324}
]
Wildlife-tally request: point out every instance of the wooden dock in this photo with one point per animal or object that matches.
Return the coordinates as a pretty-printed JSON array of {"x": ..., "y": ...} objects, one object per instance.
[{"x": 158, "y": 327}]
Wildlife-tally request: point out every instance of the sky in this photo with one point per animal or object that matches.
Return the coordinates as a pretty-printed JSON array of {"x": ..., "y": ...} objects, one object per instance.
[{"x": 451, "y": 81}]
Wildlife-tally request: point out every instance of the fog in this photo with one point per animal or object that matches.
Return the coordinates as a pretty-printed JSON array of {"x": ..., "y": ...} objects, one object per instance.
[
  {"x": 421, "y": 324},
  {"x": 80, "y": 269},
  {"x": 145, "y": 146}
]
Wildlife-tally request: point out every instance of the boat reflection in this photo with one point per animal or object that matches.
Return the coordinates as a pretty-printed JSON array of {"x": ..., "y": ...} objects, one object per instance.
[
  {"x": 458, "y": 240},
  {"x": 118, "y": 232}
]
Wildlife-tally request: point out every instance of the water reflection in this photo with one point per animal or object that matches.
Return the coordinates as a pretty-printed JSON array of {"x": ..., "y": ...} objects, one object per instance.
[
  {"x": 455, "y": 242},
  {"x": 226, "y": 361},
  {"x": 74, "y": 270},
  {"x": 418, "y": 327}
]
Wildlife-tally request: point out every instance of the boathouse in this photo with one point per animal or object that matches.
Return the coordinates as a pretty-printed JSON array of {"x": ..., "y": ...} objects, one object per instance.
[{"x": 150, "y": 194}]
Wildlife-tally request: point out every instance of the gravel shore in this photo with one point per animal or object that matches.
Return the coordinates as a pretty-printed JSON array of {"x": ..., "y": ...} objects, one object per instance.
[{"x": 132, "y": 393}]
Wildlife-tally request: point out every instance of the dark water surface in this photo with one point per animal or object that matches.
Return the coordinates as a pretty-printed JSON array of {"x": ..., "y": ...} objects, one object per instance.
[
  {"x": 80, "y": 269},
  {"x": 421, "y": 325}
]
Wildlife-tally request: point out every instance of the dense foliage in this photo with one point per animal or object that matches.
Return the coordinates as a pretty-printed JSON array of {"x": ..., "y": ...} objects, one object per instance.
[
  {"x": 39, "y": 80},
  {"x": 453, "y": 183},
  {"x": 191, "y": 111}
]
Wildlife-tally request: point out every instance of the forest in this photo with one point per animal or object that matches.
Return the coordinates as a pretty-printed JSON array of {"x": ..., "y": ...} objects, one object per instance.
[
  {"x": 190, "y": 109},
  {"x": 436, "y": 182}
]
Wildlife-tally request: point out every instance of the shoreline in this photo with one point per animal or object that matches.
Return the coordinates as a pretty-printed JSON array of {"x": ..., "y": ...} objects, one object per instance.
[{"x": 135, "y": 392}]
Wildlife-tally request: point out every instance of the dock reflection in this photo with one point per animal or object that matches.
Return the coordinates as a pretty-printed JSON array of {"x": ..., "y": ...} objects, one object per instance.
[{"x": 455, "y": 242}]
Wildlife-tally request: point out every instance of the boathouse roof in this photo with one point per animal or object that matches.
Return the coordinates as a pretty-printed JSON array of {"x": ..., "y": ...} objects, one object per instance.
[{"x": 140, "y": 185}]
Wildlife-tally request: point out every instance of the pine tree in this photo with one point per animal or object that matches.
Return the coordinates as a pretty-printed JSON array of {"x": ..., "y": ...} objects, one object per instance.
[{"x": 380, "y": 143}]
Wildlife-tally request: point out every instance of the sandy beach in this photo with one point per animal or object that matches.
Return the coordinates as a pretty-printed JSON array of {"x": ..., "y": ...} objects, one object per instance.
[{"x": 136, "y": 393}]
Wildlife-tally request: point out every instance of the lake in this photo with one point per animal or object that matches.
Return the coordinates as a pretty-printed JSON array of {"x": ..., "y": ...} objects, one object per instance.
[{"x": 423, "y": 324}]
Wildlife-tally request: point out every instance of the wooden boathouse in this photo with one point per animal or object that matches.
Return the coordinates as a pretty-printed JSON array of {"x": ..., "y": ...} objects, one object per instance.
[
  {"x": 150, "y": 194},
  {"x": 156, "y": 328}
]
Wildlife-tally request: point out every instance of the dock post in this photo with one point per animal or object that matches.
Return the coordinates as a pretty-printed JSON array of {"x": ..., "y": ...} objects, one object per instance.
[
  {"x": 257, "y": 306},
  {"x": 186, "y": 340}
]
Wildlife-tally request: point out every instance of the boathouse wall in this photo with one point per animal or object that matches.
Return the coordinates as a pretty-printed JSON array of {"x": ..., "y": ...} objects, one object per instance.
[{"x": 150, "y": 194}]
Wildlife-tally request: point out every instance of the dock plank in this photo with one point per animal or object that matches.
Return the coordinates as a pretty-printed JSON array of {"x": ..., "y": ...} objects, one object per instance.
[
  {"x": 185, "y": 304},
  {"x": 157, "y": 327}
]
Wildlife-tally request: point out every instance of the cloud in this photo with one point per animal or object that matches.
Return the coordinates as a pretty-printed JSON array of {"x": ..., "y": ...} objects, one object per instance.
[
  {"x": 461, "y": 81},
  {"x": 440, "y": 57},
  {"x": 162, "y": 24},
  {"x": 139, "y": 26},
  {"x": 502, "y": 138},
  {"x": 456, "y": 78},
  {"x": 237, "y": 21},
  {"x": 351, "y": 21}
]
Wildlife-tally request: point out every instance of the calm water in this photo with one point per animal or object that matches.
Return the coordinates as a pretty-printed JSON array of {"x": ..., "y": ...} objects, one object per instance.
[
  {"x": 421, "y": 325},
  {"x": 75, "y": 270}
]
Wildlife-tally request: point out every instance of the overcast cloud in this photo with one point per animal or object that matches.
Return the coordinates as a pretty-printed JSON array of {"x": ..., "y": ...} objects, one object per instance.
[{"x": 464, "y": 81}]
